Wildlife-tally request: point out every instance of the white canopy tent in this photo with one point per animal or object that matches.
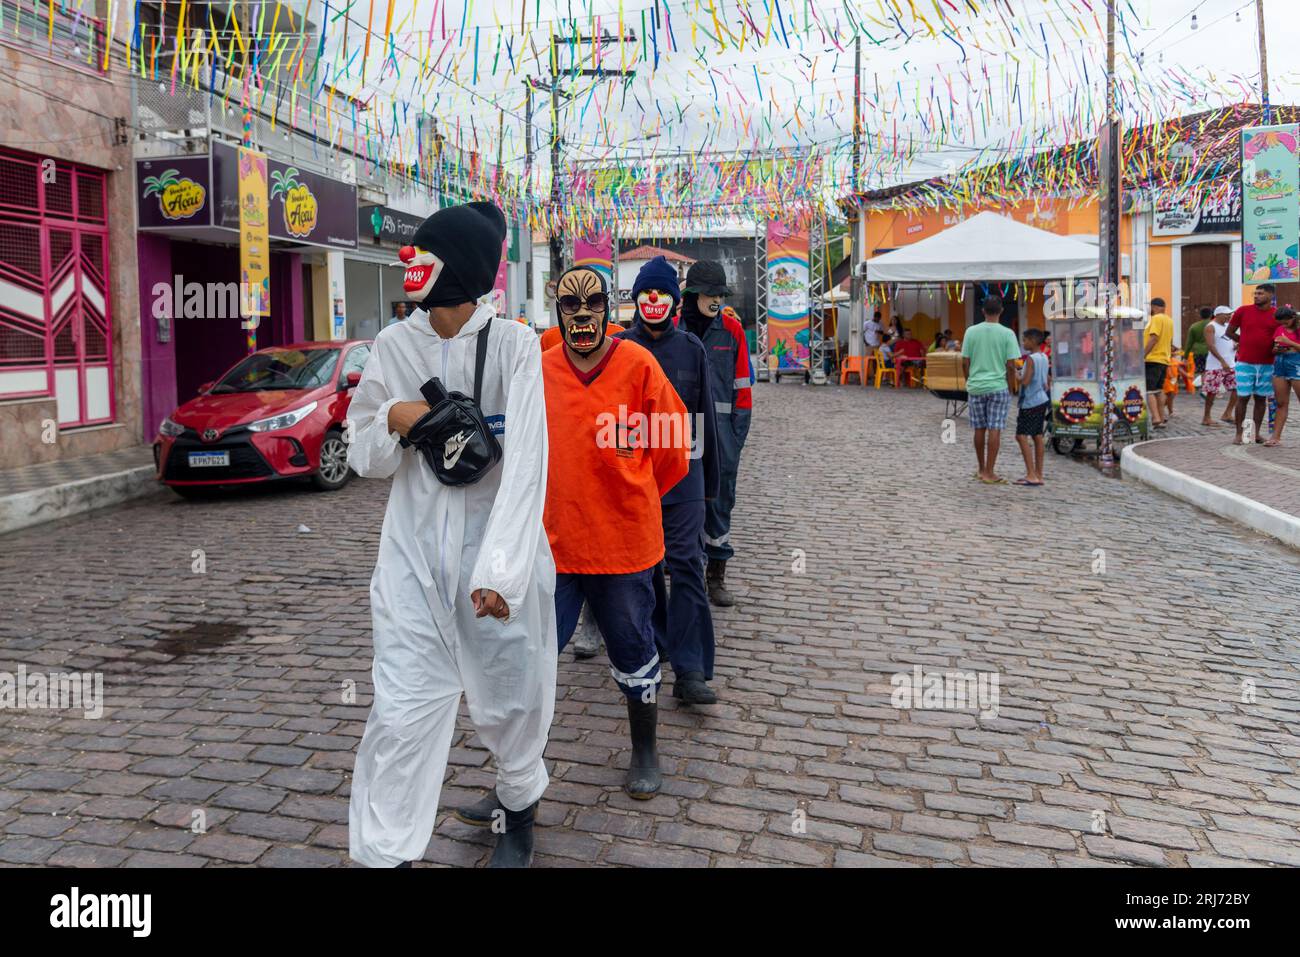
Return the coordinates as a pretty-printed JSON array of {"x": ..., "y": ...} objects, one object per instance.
[{"x": 986, "y": 247}]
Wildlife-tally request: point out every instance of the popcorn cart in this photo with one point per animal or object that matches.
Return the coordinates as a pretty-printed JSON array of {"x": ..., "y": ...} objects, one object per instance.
[{"x": 1078, "y": 356}]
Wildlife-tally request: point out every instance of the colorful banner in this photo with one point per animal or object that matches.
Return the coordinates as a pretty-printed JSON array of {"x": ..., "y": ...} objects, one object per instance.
[
  {"x": 597, "y": 251},
  {"x": 776, "y": 179},
  {"x": 788, "y": 326},
  {"x": 254, "y": 240},
  {"x": 1270, "y": 204}
]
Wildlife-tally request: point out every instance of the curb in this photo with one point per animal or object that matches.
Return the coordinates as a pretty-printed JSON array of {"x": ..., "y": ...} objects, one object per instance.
[
  {"x": 1211, "y": 498},
  {"x": 25, "y": 509}
]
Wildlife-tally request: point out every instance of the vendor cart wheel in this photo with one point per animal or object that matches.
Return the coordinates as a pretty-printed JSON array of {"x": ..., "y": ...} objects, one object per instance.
[{"x": 1057, "y": 447}]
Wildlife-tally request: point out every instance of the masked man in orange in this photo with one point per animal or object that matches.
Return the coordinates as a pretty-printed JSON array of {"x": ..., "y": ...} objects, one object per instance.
[{"x": 620, "y": 439}]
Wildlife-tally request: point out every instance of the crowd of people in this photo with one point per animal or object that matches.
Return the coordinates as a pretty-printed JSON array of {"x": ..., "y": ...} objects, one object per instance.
[
  {"x": 535, "y": 479},
  {"x": 1250, "y": 356}
]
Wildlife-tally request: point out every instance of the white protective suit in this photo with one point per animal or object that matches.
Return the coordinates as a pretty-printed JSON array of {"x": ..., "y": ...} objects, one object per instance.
[{"x": 440, "y": 543}]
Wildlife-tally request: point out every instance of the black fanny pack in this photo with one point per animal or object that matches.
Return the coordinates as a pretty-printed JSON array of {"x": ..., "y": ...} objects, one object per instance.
[{"x": 453, "y": 436}]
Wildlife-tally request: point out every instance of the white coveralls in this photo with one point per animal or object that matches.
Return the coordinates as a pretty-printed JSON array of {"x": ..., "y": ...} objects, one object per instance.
[{"x": 440, "y": 543}]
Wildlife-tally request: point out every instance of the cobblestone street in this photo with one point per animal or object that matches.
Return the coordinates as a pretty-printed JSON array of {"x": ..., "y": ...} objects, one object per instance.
[{"x": 1146, "y": 656}]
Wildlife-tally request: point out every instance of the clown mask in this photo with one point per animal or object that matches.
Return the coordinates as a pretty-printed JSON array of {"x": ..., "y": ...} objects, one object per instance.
[
  {"x": 422, "y": 271},
  {"x": 582, "y": 303},
  {"x": 654, "y": 307}
]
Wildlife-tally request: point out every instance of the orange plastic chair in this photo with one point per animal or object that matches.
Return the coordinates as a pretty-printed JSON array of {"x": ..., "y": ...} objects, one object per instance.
[
  {"x": 852, "y": 365},
  {"x": 882, "y": 371}
]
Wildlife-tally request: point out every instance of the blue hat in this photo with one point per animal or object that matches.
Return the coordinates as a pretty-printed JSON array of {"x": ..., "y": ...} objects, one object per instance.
[{"x": 658, "y": 274}]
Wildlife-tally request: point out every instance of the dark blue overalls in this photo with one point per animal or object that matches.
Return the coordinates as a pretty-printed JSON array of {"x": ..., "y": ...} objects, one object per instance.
[{"x": 683, "y": 622}]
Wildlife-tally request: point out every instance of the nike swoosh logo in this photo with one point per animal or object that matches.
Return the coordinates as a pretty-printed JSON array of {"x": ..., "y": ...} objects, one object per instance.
[{"x": 453, "y": 448}]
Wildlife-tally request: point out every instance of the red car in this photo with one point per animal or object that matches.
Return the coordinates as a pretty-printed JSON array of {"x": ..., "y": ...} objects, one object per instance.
[{"x": 276, "y": 414}]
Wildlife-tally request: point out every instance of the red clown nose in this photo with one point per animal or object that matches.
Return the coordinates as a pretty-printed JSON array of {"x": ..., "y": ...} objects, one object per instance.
[
  {"x": 654, "y": 296},
  {"x": 406, "y": 253}
]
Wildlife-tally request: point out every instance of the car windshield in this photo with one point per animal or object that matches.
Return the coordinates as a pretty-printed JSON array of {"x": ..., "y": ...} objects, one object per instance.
[{"x": 280, "y": 369}]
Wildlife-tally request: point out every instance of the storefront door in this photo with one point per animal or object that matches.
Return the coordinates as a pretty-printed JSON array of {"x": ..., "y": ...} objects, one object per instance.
[{"x": 1206, "y": 279}]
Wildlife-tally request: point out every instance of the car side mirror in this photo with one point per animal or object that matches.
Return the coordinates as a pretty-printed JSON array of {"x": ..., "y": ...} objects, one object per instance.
[
  {"x": 352, "y": 381},
  {"x": 205, "y": 387}
]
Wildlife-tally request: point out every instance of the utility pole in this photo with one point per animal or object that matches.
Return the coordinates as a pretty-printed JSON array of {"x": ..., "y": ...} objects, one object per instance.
[
  {"x": 557, "y": 193},
  {"x": 1110, "y": 182},
  {"x": 1263, "y": 63},
  {"x": 857, "y": 305}
]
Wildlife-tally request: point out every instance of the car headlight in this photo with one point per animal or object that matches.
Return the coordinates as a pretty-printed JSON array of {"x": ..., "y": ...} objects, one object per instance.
[
  {"x": 284, "y": 420},
  {"x": 171, "y": 429}
]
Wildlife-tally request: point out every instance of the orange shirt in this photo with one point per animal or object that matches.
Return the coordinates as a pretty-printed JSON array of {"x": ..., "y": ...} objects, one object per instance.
[
  {"x": 603, "y": 486},
  {"x": 553, "y": 336}
]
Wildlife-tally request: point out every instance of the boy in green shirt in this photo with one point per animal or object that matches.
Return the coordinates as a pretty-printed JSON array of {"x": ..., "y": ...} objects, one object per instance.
[{"x": 989, "y": 351}]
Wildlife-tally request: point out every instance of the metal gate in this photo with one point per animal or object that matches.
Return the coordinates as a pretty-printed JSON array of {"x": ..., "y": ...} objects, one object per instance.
[{"x": 55, "y": 318}]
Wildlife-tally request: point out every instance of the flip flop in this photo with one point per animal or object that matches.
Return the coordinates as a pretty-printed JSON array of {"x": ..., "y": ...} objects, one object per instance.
[{"x": 1026, "y": 482}]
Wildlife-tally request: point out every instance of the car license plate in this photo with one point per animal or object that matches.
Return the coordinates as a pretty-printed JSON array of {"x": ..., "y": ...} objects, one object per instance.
[{"x": 205, "y": 460}]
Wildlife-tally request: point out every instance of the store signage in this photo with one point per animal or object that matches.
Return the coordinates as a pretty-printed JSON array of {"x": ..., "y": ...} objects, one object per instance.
[
  {"x": 173, "y": 191},
  {"x": 383, "y": 224},
  {"x": 305, "y": 207},
  {"x": 1210, "y": 215}
]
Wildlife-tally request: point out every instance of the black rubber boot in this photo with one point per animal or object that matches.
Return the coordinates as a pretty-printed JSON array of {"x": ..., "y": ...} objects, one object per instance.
[
  {"x": 715, "y": 575},
  {"x": 515, "y": 844},
  {"x": 644, "y": 779},
  {"x": 480, "y": 813},
  {"x": 691, "y": 688}
]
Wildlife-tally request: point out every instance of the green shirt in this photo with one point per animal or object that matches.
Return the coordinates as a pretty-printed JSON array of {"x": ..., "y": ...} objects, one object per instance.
[
  {"x": 989, "y": 346},
  {"x": 1195, "y": 342}
]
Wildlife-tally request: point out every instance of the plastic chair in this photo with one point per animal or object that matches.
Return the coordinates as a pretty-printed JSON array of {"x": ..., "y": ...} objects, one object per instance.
[
  {"x": 882, "y": 370},
  {"x": 852, "y": 365}
]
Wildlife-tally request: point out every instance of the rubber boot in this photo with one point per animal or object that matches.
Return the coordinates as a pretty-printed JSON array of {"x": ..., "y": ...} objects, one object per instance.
[
  {"x": 691, "y": 688},
  {"x": 515, "y": 844},
  {"x": 715, "y": 575},
  {"x": 644, "y": 779},
  {"x": 480, "y": 813},
  {"x": 586, "y": 639}
]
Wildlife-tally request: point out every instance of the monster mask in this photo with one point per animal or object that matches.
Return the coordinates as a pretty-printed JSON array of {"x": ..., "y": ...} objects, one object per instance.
[{"x": 582, "y": 303}]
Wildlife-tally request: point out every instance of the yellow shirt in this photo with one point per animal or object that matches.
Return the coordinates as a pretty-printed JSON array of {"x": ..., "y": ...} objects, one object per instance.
[{"x": 1161, "y": 328}]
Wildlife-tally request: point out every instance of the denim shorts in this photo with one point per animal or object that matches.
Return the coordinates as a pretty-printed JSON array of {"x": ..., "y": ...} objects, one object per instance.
[{"x": 1286, "y": 365}]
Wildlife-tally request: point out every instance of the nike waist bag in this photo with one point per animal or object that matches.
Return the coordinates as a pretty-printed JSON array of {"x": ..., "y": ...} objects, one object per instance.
[{"x": 452, "y": 436}]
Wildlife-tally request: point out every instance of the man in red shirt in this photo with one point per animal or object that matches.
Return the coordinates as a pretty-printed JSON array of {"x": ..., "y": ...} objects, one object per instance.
[
  {"x": 909, "y": 354},
  {"x": 1253, "y": 328}
]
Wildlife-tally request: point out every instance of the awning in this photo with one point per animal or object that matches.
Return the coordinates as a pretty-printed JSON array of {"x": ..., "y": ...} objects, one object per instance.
[{"x": 986, "y": 247}]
